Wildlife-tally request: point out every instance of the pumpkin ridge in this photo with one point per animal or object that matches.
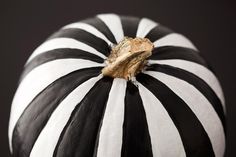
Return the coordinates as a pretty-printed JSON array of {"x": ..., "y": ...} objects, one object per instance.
[
  {"x": 158, "y": 32},
  {"x": 197, "y": 82},
  {"x": 176, "y": 52},
  {"x": 29, "y": 126},
  {"x": 86, "y": 116},
  {"x": 102, "y": 27},
  {"x": 130, "y": 25},
  {"x": 60, "y": 53},
  {"x": 83, "y": 36},
  {"x": 136, "y": 138}
]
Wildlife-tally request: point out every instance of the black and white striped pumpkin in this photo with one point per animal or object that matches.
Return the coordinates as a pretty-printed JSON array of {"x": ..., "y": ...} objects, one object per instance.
[{"x": 65, "y": 107}]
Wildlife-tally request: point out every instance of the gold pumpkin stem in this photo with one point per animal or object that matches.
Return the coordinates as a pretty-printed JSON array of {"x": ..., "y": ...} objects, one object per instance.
[{"x": 128, "y": 58}]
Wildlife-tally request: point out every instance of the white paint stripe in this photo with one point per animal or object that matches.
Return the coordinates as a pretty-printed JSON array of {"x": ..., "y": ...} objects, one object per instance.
[
  {"x": 174, "y": 39},
  {"x": 38, "y": 79},
  {"x": 88, "y": 28},
  {"x": 197, "y": 69},
  {"x": 201, "y": 107},
  {"x": 64, "y": 43},
  {"x": 48, "y": 138},
  {"x": 110, "y": 139},
  {"x": 144, "y": 27},
  {"x": 114, "y": 24},
  {"x": 165, "y": 137}
]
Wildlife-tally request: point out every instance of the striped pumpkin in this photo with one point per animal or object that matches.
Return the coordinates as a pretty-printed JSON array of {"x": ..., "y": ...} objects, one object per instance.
[{"x": 65, "y": 107}]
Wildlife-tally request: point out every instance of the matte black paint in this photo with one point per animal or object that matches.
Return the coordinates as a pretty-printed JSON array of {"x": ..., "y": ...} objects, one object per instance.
[
  {"x": 130, "y": 25},
  {"x": 102, "y": 27},
  {"x": 158, "y": 32},
  {"x": 99, "y": 44},
  {"x": 61, "y": 53},
  {"x": 79, "y": 136},
  {"x": 136, "y": 139},
  {"x": 174, "y": 52}
]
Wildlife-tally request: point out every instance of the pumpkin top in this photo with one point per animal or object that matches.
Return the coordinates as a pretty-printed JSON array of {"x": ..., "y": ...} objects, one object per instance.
[{"x": 128, "y": 58}]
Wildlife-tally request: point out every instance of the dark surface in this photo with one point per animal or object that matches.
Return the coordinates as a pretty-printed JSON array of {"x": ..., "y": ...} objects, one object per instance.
[{"x": 209, "y": 24}]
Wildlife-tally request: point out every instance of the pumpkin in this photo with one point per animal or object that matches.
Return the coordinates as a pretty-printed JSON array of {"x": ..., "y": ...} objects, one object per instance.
[{"x": 117, "y": 86}]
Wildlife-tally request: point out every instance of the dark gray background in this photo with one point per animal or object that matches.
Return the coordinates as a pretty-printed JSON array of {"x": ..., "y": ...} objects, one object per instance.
[{"x": 210, "y": 24}]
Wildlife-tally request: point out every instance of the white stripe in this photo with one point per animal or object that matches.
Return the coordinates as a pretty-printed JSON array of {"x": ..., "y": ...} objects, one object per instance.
[
  {"x": 144, "y": 27},
  {"x": 165, "y": 138},
  {"x": 110, "y": 139},
  {"x": 48, "y": 138},
  {"x": 90, "y": 29},
  {"x": 197, "y": 69},
  {"x": 174, "y": 39},
  {"x": 200, "y": 106},
  {"x": 38, "y": 79},
  {"x": 64, "y": 43},
  {"x": 114, "y": 24}
]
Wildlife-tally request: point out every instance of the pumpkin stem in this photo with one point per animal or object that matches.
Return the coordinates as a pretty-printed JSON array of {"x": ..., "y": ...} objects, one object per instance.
[{"x": 128, "y": 58}]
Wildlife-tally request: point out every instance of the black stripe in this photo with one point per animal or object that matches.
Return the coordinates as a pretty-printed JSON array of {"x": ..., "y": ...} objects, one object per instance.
[
  {"x": 136, "y": 138},
  {"x": 129, "y": 25},
  {"x": 36, "y": 115},
  {"x": 195, "y": 139},
  {"x": 83, "y": 36},
  {"x": 61, "y": 53},
  {"x": 197, "y": 82},
  {"x": 174, "y": 52},
  {"x": 80, "y": 133},
  {"x": 158, "y": 32},
  {"x": 102, "y": 27}
]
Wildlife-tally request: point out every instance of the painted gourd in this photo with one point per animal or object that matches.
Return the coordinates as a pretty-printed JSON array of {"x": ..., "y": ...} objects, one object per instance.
[{"x": 171, "y": 105}]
